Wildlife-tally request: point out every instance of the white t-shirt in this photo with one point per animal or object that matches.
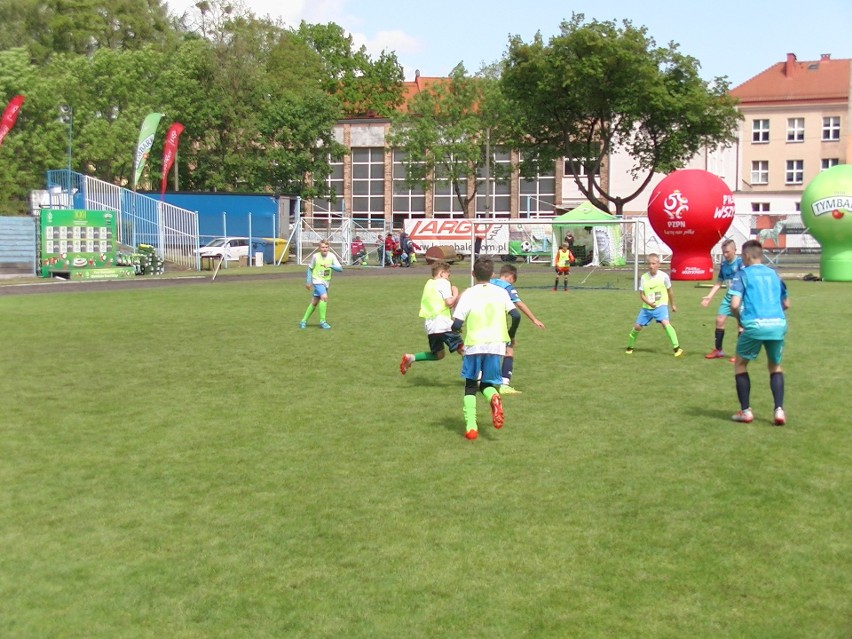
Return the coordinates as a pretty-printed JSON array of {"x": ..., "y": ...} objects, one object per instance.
[{"x": 442, "y": 323}]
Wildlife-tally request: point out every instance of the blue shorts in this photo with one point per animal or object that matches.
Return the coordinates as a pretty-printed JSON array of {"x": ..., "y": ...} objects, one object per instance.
[
  {"x": 661, "y": 314},
  {"x": 749, "y": 348},
  {"x": 725, "y": 305},
  {"x": 488, "y": 365},
  {"x": 320, "y": 290}
]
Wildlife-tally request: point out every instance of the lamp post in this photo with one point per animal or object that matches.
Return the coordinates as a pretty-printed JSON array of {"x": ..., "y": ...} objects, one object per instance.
[{"x": 66, "y": 116}]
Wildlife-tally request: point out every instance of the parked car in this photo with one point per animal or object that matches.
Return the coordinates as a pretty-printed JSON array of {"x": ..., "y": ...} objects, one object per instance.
[{"x": 233, "y": 248}]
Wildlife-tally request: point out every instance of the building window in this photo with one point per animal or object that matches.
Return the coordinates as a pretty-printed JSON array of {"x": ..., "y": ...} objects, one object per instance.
[
  {"x": 827, "y": 163},
  {"x": 368, "y": 180},
  {"x": 831, "y": 128},
  {"x": 334, "y": 183},
  {"x": 537, "y": 196},
  {"x": 795, "y": 129},
  {"x": 795, "y": 173},
  {"x": 406, "y": 199},
  {"x": 444, "y": 200},
  {"x": 760, "y": 172},
  {"x": 759, "y": 207},
  {"x": 760, "y": 131},
  {"x": 499, "y": 198},
  {"x": 585, "y": 166}
]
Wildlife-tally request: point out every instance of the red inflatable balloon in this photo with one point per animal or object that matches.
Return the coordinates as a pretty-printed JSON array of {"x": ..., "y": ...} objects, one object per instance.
[{"x": 691, "y": 210}]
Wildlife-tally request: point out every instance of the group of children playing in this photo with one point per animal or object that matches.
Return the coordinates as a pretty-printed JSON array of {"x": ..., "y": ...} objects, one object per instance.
[
  {"x": 756, "y": 296},
  {"x": 488, "y": 345}
]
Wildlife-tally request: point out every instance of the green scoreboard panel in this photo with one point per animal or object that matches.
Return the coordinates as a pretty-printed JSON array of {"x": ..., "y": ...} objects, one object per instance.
[{"x": 77, "y": 242}]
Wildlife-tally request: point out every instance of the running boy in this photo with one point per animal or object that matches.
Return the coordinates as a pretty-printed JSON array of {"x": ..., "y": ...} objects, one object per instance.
[
  {"x": 655, "y": 291},
  {"x": 562, "y": 263},
  {"x": 728, "y": 268},
  {"x": 319, "y": 278},
  {"x": 436, "y": 304},
  {"x": 759, "y": 299},
  {"x": 506, "y": 281},
  {"x": 482, "y": 310}
]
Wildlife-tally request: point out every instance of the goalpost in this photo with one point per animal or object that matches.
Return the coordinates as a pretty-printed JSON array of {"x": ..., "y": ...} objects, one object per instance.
[{"x": 615, "y": 246}]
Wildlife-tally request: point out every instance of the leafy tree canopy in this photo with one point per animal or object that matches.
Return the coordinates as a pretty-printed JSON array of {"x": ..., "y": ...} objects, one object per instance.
[{"x": 598, "y": 87}]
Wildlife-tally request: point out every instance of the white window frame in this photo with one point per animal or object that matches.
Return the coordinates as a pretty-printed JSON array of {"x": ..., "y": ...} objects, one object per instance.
[
  {"x": 760, "y": 172},
  {"x": 334, "y": 182},
  {"x": 760, "y": 131},
  {"x": 827, "y": 163},
  {"x": 831, "y": 128},
  {"x": 405, "y": 199},
  {"x": 795, "y": 173},
  {"x": 795, "y": 129},
  {"x": 373, "y": 201}
]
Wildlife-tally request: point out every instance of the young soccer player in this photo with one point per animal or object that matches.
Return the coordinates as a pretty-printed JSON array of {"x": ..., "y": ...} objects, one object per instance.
[
  {"x": 655, "y": 291},
  {"x": 562, "y": 263},
  {"x": 482, "y": 309},
  {"x": 507, "y": 279},
  {"x": 728, "y": 268},
  {"x": 436, "y": 304},
  {"x": 759, "y": 299},
  {"x": 319, "y": 278}
]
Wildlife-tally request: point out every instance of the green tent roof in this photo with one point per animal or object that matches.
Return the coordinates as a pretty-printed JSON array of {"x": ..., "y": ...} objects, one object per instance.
[{"x": 584, "y": 214}]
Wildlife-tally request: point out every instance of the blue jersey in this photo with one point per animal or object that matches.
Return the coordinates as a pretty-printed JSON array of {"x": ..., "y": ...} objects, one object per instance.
[
  {"x": 508, "y": 287},
  {"x": 727, "y": 270},
  {"x": 761, "y": 311}
]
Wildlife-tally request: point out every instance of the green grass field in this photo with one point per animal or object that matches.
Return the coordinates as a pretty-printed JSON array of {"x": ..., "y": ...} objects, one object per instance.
[{"x": 184, "y": 462}]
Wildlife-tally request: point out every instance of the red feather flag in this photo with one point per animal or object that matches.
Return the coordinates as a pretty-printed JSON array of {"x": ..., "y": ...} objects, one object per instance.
[
  {"x": 10, "y": 115},
  {"x": 169, "y": 152}
]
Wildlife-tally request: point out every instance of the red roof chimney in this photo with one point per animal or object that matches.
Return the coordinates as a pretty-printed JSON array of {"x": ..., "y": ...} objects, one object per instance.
[
  {"x": 824, "y": 57},
  {"x": 788, "y": 68}
]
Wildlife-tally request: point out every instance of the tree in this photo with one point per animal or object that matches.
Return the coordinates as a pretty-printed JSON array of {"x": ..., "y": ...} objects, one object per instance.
[
  {"x": 363, "y": 86},
  {"x": 47, "y": 27},
  {"x": 596, "y": 88},
  {"x": 444, "y": 133}
]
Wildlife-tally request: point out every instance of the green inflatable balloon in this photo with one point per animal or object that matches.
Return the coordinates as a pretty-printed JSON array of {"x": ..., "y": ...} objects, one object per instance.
[{"x": 827, "y": 213}]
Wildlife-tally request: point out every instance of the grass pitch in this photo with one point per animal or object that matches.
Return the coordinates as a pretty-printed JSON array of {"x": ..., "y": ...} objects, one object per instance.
[{"x": 185, "y": 462}]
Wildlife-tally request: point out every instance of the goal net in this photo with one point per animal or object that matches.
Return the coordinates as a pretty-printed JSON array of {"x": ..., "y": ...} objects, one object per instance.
[{"x": 604, "y": 250}]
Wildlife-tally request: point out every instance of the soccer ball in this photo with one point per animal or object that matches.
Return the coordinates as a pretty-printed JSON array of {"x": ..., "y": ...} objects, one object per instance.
[{"x": 526, "y": 246}]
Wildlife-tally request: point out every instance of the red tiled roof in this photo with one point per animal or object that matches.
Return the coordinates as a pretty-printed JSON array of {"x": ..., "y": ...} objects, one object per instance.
[
  {"x": 420, "y": 83},
  {"x": 792, "y": 80}
]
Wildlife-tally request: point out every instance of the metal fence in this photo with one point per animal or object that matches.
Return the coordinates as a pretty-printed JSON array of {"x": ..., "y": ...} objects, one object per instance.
[{"x": 172, "y": 231}]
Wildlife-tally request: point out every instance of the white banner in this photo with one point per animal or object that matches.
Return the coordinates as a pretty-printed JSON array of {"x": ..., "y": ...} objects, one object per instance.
[{"x": 456, "y": 233}]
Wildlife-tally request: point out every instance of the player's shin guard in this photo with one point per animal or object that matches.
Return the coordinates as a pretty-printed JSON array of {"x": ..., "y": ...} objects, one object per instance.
[
  {"x": 672, "y": 333},
  {"x": 323, "y": 306},
  {"x": 743, "y": 382},
  {"x": 776, "y": 384},
  {"x": 308, "y": 312},
  {"x": 425, "y": 357},
  {"x": 631, "y": 337},
  {"x": 720, "y": 335}
]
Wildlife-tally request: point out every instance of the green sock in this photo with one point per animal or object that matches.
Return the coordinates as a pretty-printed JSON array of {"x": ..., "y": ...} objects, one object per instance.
[
  {"x": 631, "y": 337},
  {"x": 322, "y": 309},
  {"x": 469, "y": 412},
  {"x": 670, "y": 331},
  {"x": 428, "y": 357},
  {"x": 489, "y": 392},
  {"x": 308, "y": 312}
]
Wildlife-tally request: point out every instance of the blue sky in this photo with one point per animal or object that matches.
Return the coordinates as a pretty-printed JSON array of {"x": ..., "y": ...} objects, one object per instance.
[{"x": 737, "y": 39}]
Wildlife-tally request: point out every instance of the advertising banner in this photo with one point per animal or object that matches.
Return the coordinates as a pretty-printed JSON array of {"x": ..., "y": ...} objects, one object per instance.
[{"x": 431, "y": 232}]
